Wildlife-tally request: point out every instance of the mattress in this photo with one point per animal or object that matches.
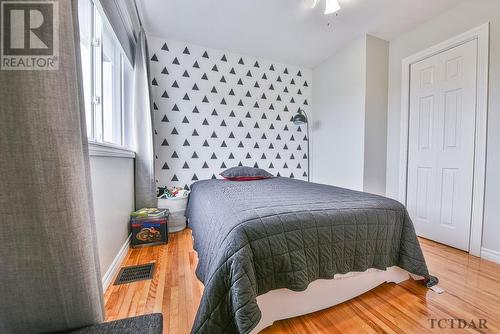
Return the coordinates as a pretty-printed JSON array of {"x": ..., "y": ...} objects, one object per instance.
[{"x": 256, "y": 236}]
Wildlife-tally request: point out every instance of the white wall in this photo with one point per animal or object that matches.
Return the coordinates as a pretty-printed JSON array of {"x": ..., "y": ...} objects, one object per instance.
[
  {"x": 338, "y": 118},
  {"x": 350, "y": 117},
  {"x": 113, "y": 193},
  {"x": 465, "y": 16},
  {"x": 377, "y": 67}
]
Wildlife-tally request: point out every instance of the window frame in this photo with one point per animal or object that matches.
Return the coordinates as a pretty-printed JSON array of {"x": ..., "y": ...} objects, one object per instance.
[{"x": 98, "y": 146}]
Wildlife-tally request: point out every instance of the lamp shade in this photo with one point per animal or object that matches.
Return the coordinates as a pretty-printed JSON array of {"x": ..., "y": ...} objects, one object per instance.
[{"x": 299, "y": 118}]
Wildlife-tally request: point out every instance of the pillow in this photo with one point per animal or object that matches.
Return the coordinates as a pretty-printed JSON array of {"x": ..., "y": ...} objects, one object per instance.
[{"x": 244, "y": 173}]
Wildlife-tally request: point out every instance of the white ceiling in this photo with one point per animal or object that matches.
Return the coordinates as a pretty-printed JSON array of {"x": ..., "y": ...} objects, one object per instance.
[{"x": 283, "y": 30}]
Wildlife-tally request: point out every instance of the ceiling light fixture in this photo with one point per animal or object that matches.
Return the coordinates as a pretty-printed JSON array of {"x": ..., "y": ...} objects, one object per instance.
[
  {"x": 331, "y": 6},
  {"x": 311, "y": 3}
]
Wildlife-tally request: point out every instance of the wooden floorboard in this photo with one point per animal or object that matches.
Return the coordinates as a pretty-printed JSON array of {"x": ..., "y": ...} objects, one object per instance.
[{"x": 472, "y": 293}]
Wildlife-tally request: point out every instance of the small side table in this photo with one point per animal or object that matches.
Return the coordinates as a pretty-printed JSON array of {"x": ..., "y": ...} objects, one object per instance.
[{"x": 177, "y": 208}]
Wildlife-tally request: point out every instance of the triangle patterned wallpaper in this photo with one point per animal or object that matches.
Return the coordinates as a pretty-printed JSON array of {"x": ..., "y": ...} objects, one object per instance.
[{"x": 215, "y": 110}]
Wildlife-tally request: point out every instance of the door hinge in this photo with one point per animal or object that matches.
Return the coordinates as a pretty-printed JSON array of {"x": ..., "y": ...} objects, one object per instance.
[
  {"x": 96, "y": 42},
  {"x": 96, "y": 100}
]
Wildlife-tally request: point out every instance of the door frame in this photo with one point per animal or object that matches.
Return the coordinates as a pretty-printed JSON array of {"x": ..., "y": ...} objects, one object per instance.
[{"x": 481, "y": 34}]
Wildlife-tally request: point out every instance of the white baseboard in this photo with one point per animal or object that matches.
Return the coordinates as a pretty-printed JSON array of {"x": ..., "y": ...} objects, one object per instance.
[
  {"x": 115, "y": 265},
  {"x": 491, "y": 255}
]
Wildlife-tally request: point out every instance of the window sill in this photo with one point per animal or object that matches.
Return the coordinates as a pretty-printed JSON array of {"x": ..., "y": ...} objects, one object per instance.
[{"x": 109, "y": 150}]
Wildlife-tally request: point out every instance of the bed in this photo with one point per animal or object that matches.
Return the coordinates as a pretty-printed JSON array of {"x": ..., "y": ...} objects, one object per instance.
[{"x": 287, "y": 241}]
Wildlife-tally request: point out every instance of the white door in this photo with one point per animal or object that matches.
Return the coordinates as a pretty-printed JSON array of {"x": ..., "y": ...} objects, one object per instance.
[{"x": 441, "y": 144}]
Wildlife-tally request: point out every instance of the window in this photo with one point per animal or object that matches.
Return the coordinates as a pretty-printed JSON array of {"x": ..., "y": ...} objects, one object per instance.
[{"x": 103, "y": 70}]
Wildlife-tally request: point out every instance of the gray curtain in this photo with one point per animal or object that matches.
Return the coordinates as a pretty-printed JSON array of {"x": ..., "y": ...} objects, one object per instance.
[
  {"x": 145, "y": 185},
  {"x": 49, "y": 267},
  {"x": 122, "y": 17}
]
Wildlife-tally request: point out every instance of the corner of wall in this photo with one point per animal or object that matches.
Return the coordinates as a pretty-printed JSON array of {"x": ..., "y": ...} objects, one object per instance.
[
  {"x": 376, "y": 97},
  {"x": 337, "y": 129}
]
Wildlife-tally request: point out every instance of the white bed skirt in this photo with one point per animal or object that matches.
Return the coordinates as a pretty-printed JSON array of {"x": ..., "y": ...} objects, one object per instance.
[{"x": 321, "y": 294}]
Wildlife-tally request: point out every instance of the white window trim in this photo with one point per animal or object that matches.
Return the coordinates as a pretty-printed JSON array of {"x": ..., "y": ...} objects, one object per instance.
[
  {"x": 481, "y": 34},
  {"x": 98, "y": 146},
  {"x": 97, "y": 149}
]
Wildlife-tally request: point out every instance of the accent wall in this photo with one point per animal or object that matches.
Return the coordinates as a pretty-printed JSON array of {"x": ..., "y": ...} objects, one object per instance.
[{"x": 216, "y": 109}]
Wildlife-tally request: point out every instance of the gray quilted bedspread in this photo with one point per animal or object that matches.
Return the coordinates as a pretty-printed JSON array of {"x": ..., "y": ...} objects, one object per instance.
[{"x": 256, "y": 236}]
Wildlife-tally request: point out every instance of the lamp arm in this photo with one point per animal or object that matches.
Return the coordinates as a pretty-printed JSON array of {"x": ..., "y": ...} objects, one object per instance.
[
  {"x": 308, "y": 149},
  {"x": 308, "y": 153}
]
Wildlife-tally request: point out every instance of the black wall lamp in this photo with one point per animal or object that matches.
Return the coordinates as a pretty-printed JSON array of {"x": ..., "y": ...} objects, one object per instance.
[{"x": 300, "y": 118}]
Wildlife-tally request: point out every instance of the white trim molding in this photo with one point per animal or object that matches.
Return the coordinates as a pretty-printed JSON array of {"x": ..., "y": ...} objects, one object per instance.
[
  {"x": 490, "y": 254},
  {"x": 115, "y": 265},
  {"x": 481, "y": 34},
  {"x": 109, "y": 150}
]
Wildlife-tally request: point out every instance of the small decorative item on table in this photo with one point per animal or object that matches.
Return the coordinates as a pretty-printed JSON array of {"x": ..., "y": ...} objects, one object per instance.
[
  {"x": 149, "y": 227},
  {"x": 175, "y": 200}
]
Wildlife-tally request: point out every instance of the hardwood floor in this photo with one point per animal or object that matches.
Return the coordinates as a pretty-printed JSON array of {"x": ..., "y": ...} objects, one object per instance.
[{"x": 472, "y": 293}]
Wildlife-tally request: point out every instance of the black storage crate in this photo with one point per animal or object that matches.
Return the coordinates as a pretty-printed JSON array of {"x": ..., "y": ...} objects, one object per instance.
[{"x": 149, "y": 231}]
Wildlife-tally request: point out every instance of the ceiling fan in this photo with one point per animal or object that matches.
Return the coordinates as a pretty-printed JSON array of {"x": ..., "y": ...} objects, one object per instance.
[{"x": 331, "y": 6}]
